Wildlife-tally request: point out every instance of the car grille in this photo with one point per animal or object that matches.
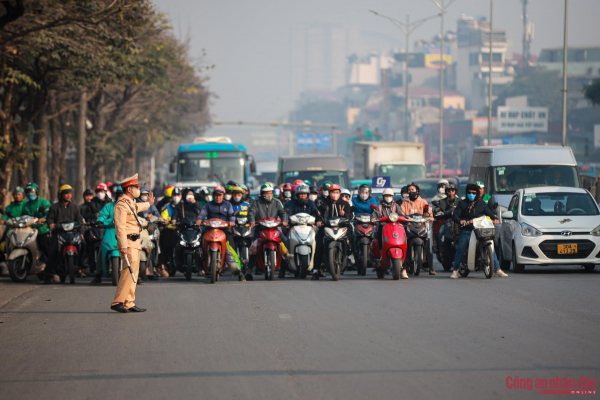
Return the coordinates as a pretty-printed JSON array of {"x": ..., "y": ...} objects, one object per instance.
[
  {"x": 550, "y": 249},
  {"x": 557, "y": 233}
]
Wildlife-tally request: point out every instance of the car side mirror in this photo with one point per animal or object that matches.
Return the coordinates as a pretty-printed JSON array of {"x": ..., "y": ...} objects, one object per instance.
[{"x": 507, "y": 215}]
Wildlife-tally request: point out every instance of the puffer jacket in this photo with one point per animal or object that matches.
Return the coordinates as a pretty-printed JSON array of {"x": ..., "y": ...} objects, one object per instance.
[{"x": 363, "y": 207}]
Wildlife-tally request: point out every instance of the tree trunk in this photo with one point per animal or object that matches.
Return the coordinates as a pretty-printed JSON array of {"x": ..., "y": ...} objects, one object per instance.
[
  {"x": 81, "y": 139},
  {"x": 23, "y": 178},
  {"x": 56, "y": 146},
  {"x": 40, "y": 167},
  {"x": 8, "y": 145}
]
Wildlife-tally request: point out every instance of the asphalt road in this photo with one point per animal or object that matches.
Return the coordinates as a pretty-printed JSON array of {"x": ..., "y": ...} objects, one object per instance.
[{"x": 359, "y": 338}]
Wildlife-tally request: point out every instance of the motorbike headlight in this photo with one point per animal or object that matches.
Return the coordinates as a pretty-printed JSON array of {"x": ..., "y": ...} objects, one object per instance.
[
  {"x": 596, "y": 231},
  {"x": 365, "y": 219},
  {"x": 182, "y": 243},
  {"x": 528, "y": 230},
  {"x": 215, "y": 224},
  {"x": 393, "y": 217},
  {"x": 242, "y": 221},
  {"x": 68, "y": 226},
  {"x": 195, "y": 243},
  {"x": 334, "y": 222}
]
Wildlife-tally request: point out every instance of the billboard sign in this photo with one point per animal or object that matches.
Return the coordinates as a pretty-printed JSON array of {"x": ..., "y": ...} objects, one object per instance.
[
  {"x": 522, "y": 119},
  {"x": 323, "y": 141},
  {"x": 382, "y": 182},
  {"x": 432, "y": 57},
  {"x": 304, "y": 140}
]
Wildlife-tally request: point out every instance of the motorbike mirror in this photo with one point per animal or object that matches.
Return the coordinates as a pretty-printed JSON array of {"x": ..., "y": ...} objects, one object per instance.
[{"x": 373, "y": 206}]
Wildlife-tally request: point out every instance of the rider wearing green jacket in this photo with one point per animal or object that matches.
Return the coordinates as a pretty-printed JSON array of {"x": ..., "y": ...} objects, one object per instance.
[
  {"x": 107, "y": 215},
  {"x": 15, "y": 208},
  {"x": 34, "y": 205}
]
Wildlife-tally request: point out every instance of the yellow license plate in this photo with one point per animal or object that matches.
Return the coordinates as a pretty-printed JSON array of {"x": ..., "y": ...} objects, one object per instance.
[{"x": 567, "y": 248}]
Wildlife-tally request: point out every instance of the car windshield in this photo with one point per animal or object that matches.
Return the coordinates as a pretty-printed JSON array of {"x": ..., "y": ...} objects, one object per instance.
[
  {"x": 427, "y": 190},
  {"x": 562, "y": 203},
  {"x": 511, "y": 178},
  {"x": 198, "y": 167},
  {"x": 316, "y": 178},
  {"x": 402, "y": 174},
  {"x": 264, "y": 177}
]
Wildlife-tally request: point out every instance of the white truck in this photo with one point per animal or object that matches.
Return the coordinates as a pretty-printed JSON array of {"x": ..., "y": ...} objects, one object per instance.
[{"x": 403, "y": 162}]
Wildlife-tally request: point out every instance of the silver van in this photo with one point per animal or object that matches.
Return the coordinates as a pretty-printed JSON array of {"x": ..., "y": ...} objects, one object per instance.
[{"x": 506, "y": 169}]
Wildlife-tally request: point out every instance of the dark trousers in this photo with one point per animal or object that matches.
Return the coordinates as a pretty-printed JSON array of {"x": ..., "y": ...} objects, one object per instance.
[
  {"x": 320, "y": 249},
  {"x": 167, "y": 242},
  {"x": 51, "y": 249}
]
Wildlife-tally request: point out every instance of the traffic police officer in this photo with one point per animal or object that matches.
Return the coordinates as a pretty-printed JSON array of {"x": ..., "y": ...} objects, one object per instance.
[{"x": 128, "y": 229}]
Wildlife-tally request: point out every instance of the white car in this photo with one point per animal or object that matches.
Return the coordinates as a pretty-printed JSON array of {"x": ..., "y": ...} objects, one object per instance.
[{"x": 550, "y": 225}]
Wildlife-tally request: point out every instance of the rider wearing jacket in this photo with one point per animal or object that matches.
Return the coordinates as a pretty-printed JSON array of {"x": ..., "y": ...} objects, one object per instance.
[
  {"x": 302, "y": 204},
  {"x": 464, "y": 213},
  {"x": 387, "y": 207},
  {"x": 414, "y": 204},
  {"x": 107, "y": 216},
  {"x": 188, "y": 208},
  {"x": 363, "y": 201}
]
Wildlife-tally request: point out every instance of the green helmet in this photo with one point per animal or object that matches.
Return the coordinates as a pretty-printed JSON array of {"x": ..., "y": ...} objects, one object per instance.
[
  {"x": 308, "y": 183},
  {"x": 18, "y": 189},
  {"x": 326, "y": 185},
  {"x": 267, "y": 187},
  {"x": 32, "y": 186},
  {"x": 480, "y": 184}
]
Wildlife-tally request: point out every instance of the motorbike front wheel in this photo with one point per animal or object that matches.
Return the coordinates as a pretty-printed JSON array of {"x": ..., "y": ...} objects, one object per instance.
[
  {"x": 271, "y": 265},
  {"x": 396, "y": 268},
  {"x": 334, "y": 263},
  {"x": 18, "y": 269},
  {"x": 71, "y": 265},
  {"x": 188, "y": 267},
  {"x": 417, "y": 259},
  {"x": 114, "y": 266},
  {"x": 488, "y": 260},
  {"x": 362, "y": 270},
  {"x": 303, "y": 266},
  {"x": 213, "y": 268},
  {"x": 464, "y": 272}
]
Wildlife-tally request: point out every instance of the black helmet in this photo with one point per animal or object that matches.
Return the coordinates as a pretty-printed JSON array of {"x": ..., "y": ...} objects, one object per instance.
[
  {"x": 303, "y": 189},
  {"x": 415, "y": 185},
  {"x": 231, "y": 183},
  {"x": 313, "y": 190},
  {"x": 87, "y": 192},
  {"x": 404, "y": 189},
  {"x": 450, "y": 186},
  {"x": 364, "y": 186},
  {"x": 175, "y": 191}
]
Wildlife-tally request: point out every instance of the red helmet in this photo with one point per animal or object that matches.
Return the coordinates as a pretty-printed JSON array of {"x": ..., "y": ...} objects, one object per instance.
[
  {"x": 334, "y": 186},
  {"x": 287, "y": 186},
  {"x": 219, "y": 189},
  {"x": 298, "y": 182},
  {"x": 109, "y": 184},
  {"x": 101, "y": 186},
  {"x": 295, "y": 187}
]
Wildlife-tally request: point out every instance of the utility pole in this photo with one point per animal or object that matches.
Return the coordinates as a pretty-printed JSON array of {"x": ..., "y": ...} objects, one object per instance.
[
  {"x": 81, "y": 138},
  {"x": 406, "y": 28},
  {"x": 490, "y": 74},
  {"x": 564, "y": 89},
  {"x": 525, "y": 36},
  {"x": 443, "y": 7}
]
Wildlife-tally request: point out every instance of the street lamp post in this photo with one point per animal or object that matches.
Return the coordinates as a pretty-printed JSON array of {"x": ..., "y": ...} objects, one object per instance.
[
  {"x": 443, "y": 7},
  {"x": 407, "y": 28},
  {"x": 490, "y": 74},
  {"x": 564, "y": 89}
]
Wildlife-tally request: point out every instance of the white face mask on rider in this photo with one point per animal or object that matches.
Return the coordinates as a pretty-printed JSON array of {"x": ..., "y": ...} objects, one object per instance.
[
  {"x": 189, "y": 197},
  {"x": 208, "y": 197},
  {"x": 364, "y": 196},
  {"x": 144, "y": 198},
  {"x": 237, "y": 199},
  {"x": 101, "y": 195},
  {"x": 313, "y": 197},
  {"x": 388, "y": 199},
  {"x": 227, "y": 197},
  {"x": 176, "y": 199},
  {"x": 441, "y": 190}
]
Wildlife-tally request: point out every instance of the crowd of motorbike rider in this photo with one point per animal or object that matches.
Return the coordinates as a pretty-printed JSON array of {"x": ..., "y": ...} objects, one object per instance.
[{"x": 232, "y": 200}]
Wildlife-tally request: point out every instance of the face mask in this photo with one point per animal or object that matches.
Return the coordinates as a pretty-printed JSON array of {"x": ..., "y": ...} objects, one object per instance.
[
  {"x": 208, "y": 197},
  {"x": 388, "y": 199},
  {"x": 325, "y": 193},
  {"x": 136, "y": 192},
  {"x": 334, "y": 197},
  {"x": 189, "y": 197},
  {"x": 363, "y": 196},
  {"x": 412, "y": 196},
  {"x": 405, "y": 196},
  {"x": 227, "y": 197},
  {"x": 100, "y": 195},
  {"x": 31, "y": 196},
  {"x": 144, "y": 198},
  {"x": 237, "y": 199},
  {"x": 287, "y": 194},
  {"x": 471, "y": 196},
  {"x": 176, "y": 199},
  {"x": 313, "y": 197},
  {"x": 268, "y": 198},
  {"x": 441, "y": 190}
]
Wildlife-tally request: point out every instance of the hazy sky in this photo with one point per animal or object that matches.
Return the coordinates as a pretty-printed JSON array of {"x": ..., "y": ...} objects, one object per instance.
[{"x": 249, "y": 40}]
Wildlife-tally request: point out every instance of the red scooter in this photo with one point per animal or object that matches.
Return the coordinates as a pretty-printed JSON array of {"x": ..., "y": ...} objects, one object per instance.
[
  {"x": 214, "y": 245},
  {"x": 394, "y": 247},
  {"x": 268, "y": 252}
]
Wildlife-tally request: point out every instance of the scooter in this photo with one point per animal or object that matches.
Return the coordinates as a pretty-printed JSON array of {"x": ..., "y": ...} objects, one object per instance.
[
  {"x": 242, "y": 235},
  {"x": 69, "y": 241},
  {"x": 93, "y": 238},
  {"x": 302, "y": 244},
  {"x": 214, "y": 246},
  {"x": 480, "y": 253},
  {"x": 268, "y": 252},
  {"x": 418, "y": 242},
  {"x": 336, "y": 243},
  {"x": 365, "y": 232},
  {"x": 150, "y": 249},
  {"x": 393, "y": 253},
  {"x": 112, "y": 258},
  {"x": 188, "y": 248},
  {"x": 24, "y": 256},
  {"x": 446, "y": 247}
]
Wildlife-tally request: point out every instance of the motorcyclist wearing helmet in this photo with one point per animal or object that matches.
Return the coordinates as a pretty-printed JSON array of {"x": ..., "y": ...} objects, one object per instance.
[
  {"x": 168, "y": 237},
  {"x": 240, "y": 206},
  {"x": 202, "y": 195},
  {"x": 387, "y": 207},
  {"x": 92, "y": 210},
  {"x": 246, "y": 194},
  {"x": 38, "y": 208},
  {"x": 441, "y": 190},
  {"x": 166, "y": 199},
  {"x": 302, "y": 204},
  {"x": 286, "y": 193},
  {"x": 15, "y": 208},
  {"x": 152, "y": 211},
  {"x": 324, "y": 193},
  {"x": 403, "y": 195},
  {"x": 482, "y": 194},
  {"x": 415, "y": 204},
  {"x": 314, "y": 194},
  {"x": 62, "y": 211},
  {"x": 363, "y": 201},
  {"x": 187, "y": 208},
  {"x": 464, "y": 213},
  {"x": 445, "y": 206},
  {"x": 332, "y": 206}
]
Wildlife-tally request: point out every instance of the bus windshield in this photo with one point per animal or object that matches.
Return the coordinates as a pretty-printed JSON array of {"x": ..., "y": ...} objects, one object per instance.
[
  {"x": 511, "y": 178},
  {"x": 316, "y": 178},
  {"x": 402, "y": 174},
  {"x": 205, "y": 167}
]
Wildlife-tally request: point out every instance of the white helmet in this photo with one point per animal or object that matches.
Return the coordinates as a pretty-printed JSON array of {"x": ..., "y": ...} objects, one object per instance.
[
  {"x": 442, "y": 182},
  {"x": 388, "y": 191},
  {"x": 345, "y": 191}
]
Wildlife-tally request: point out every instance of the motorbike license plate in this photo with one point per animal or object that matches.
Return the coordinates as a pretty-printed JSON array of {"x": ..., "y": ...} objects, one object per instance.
[{"x": 567, "y": 249}]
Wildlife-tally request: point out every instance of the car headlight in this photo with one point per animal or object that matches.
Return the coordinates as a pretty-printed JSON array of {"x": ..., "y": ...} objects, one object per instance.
[
  {"x": 596, "y": 231},
  {"x": 528, "y": 230}
]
